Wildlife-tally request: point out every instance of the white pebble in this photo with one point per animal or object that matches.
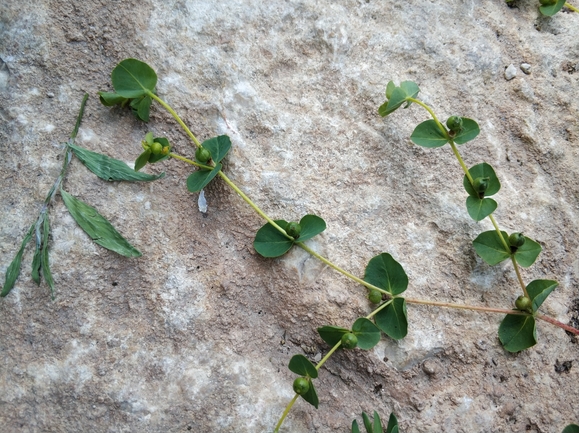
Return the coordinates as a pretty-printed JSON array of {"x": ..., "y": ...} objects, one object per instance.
[
  {"x": 510, "y": 72},
  {"x": 202, "y": 202},
  {"x": 526, "y": 68}
]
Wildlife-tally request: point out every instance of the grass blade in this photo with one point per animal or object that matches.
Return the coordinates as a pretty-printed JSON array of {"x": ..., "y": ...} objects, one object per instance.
[{"x": 14, "y": 269}]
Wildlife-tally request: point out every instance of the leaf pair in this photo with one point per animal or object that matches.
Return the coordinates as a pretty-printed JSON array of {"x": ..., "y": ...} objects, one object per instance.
[
  {"x": 477, "y": 205},
  {"x": 396, "y": 96},
  {"x": 518, "y": 331},
  {"x": 367, "y": 333},
  {"x": 270, "y": 242},
  {"x": 492, "y": 249},
  {"x": 134, "y": 83},
  {"x": 375, "y": 425},
  {"x": 302, "y": 366},
  {"x": 218, "y": 147}
]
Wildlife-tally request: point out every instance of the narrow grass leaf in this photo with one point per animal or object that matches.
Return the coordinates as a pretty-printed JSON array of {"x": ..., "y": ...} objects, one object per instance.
[
  {"x": 550, "y": 10},
  {"x": 482, "y": 170},
  {"x": 45, "y": 263},
  {"x": 312, "y": 225},
  {"x": 393, "y": 319},
  {"x": 517, "y": 332},
  {"x": 302, "y": 366},
  {"x": 377, "y": 426},
  {"x": 132, "y": 78},
  {"x": 428, "y": 134},
  {"x": 480, "y": 209},
  {"x": 368, "y": 334},
  {"x": 386, "y": 273},
  {"x": 392, "y": 424},
  {"x": 14, "y": 268},
  {"x": 469, "y": 131},
  {"x": 490, "y": 248},
  {"x": 332, "y": 334},
  {"x": 269, "y": 242},
  {"x": 218, "y": 146},
  {"x": 110, "y": 169},
  {"x": 36, "y": 259},
  {"x": 538, "y": 291},
  {"x": 367, "y": 422},
  {"x": 312, "y": 396},
  {"x": 97, "y": 227},
  {"x": 355, "y": 428},
  {"x": 528, "y": 253}
]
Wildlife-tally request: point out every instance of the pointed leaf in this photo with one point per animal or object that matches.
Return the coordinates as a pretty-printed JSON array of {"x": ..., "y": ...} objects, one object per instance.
[
  {"x": 490, "y": 248},
  {"x": 302, "y": 366},
  {"x": 356, "y": 429},
  {"x": 14, "y": 268},
  {"x": 517, "y": 332},
  {"x": 480, "y": 209},
  {"x": 35, "y": 273},
  {"x": 392, "y": 424},
  {"x": 571, "y": 428},
  {"x": 386, "y": 273},
  {"x": 367, "y": 422},
  {"x": 538, "y": 291},
  {"x": 469, "y": 131},
  {"x": 312, "y": 396},
  {"x": 218, "y": 146},
  {"x": 550, "y": 10},
  {"x": 368, "y": 334},
  {"x": 528, "y": 253},
  {"x": 312, "y": 225},
  {"x": 332, "y": 334},
  {"x": 269, "y": 242},
  {"x": 482, "y": 170},
  {"x": 393, "y": 319},
  {"x": 200, "y": 178},
  {"x": 45, "y": 265},
  {"x": 428, "y": 134},
  {"x": 109, "y": 99},
  {"x": 142, "y": 159},
  {"x": 110, "y": 169},
  {"x": 132, "y": 78},
  {"x": 97, "y": 227}
]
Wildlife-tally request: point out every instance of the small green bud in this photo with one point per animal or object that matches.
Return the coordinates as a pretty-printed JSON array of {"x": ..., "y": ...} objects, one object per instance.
[
  {"x": 481, "y": 184},
  {"x": 516, "y": 240},
  {"x": 375, "y": 296},
  {"x": 202, "y": 155},
  {"x": 349, "y": 341},
  {"x": 156, "y": 148},
  {"x": 301, "y": 385},
  {"x": 523, "y": 303},
  {"x": 454, "y": 123},
  {"x": 293, "y": 229},
  {"x": 165, "y": 150}
]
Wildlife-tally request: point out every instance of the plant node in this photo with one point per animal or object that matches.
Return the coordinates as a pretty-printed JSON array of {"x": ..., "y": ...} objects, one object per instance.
[
  {"x": 349, "y": 341},
  {"x": 523, "y": 303},
  {"x": 202, "y": 155},
  {"x": 301, "y": 385},
  {"x": 294, "y": 229}
]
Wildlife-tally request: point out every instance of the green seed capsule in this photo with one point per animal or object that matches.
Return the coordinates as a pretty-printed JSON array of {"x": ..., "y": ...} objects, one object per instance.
[
  {"x": 156, "y": 148},
  {"x": 293, "y": 229},
  {"x": 165, "y": 150},
  {"x": 375, "y": 296},
  {"x": 349, "y": 341},
  {"x": 301, "y": 385},
  {"x": 481, "y": 184},
  {"x": 202, "y": 155},
  {"x": 523, "y": 303},
  {"x": 454, "y": 123},
  {"x": 516, "y": 240}
]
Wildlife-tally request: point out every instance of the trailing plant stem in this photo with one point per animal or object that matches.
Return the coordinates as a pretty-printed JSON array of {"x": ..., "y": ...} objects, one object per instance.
[
  {"x": 570, "y": 6},
  {"x": 465, "y": 307},
  {"x": 189, "y": 161},
  {"x": 460, "y": 161},
  {"x": 521, "y": 282},
  {"x": 427, "y": 108},
  {"x": 503, "y": 240},
  {"x": 285, "y": 413},
  {"x": 557, "y": 323},
  {"x": 380, "y": 308},
  {"x": 330, "y": 353},
  {"x": 176, "y": 117}
]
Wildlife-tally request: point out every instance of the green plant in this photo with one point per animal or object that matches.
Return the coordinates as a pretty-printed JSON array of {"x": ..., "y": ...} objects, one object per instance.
[
  {"x": 374, "y": 425},
  {"x": 551, "y": 7}
]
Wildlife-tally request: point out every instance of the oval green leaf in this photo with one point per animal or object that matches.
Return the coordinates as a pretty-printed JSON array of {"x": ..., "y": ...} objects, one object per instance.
[
  {"x": 332, "y": 334},
  {"x": 302, "y": 366},
  {"x": 482, "y": 170},
  {"x": 528, "y": 253},
  {"x": 517, "y": 332},
  {"x": 218, "y": 146},
  {"x": 386, "y": 273},
  {"x": 270, "y": 242},
  {"x": 200, "y": 178},
  {"x": 490, "y": 248},
  {"x": 312, "y": 225},
  {"x": 428, "y": 134},
  {"x": 550, "y": 10},
  {"x": 311, "y": 396},
  {"x": 97, "y": 227},
  {"x": 142, "y": 159},
  {"x": 110, "y": 169},
  {"x": 538, "y": 291},
  {"x": 14, "y": 268},
  {"x": 141, "y": 107},
  {"x": 393, "y": 319},
  {"x": 132, "y": 78},
  {"x": 109, "y": 99},
  {"x": 368, "y": 334},
  {"x": 571, "y": 428},
  {"x": 480, "y": 209},
  {"x": 469, "y": 131}
]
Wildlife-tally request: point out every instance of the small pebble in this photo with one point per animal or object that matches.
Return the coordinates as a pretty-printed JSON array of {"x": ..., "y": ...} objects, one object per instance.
[
  {"x": 510, "y": 72},
  {"x": 526, "y": 68},
  {"x": 50, "y": 95}
]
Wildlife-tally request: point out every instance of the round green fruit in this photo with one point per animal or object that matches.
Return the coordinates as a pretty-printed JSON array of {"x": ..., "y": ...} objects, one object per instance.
[
  {"x": 375, "y": 296},
  {"x": 349, "y": 341},
  {"x": 156, "y": 148},
  {"x": 516, "y": 240},
  {"x": 202, "y": 155},
  {"x": 454, "y": 123},
  {"x": 293, "y": 229},
  {"x": 301, "y": 385},
  {"x": 523, "y": 303}
]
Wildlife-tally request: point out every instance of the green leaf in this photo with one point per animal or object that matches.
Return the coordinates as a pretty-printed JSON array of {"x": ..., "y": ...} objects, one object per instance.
[
  {"x": 571, "y": 428},
  {"x": 311, "y": 396},
  {"x": 312, "y": 225},
  {"x": 392, "y": 424},
  {"x": 132, "y": 78},
  {"x": 368, "y": 334},
  {"x": 200, "y": 178},
  {"x": 97, "y": 227},
  {"x": 482, "y": 170},
  {"x": 45, "y": 265},
  {"x": 550, "y": 10},
  {"x": 110, "y": 169},
  {"x": 389, "y": 89},
  {"x": 218, "y": 146},
  {"x": 538, "y": 291},
  {"x": 14, "y": 268},
  {"x": 480, "y": 209},
  {"x": 398, "y": 95},
  {"x": 302, "y": 366},
  {"x": 517, "y": 332},
  {"x": 35, "y": 273},
  {"x": 109, "y": 99},
  {"x": 490, "y": 248},
  {"x": 528, "y": 253},
  {"x": 367, "y": 422},
  {"x": 372, "y": 426},
  {"x": 142, "y": 159},
  {"x": 156, "y": 158},
  {"x": 355, "y": 428},
  {"x": 141, "y": 107},
  {"x": 386, "y": 273},
  {"x": 393, "y": 320},
  {"x": 332, "y": 334},
  {"x": 469, "y": 131},
  {"x": 269, "y": 242},
  {"x": 428, "y": 134}
]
